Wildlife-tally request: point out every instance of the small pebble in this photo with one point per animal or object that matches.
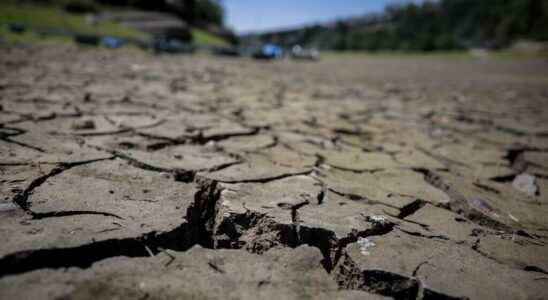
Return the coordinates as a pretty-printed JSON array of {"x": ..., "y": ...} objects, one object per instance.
[
  {"x": 7, "y": 206},
  {"x": 525, "y": 183}
]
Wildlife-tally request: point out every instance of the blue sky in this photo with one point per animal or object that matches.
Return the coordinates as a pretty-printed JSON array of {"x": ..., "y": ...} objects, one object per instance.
[{"x": 262, "y": 15}]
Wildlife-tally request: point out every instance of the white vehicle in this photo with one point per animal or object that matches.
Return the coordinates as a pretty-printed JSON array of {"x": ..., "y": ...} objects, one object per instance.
[{"x": 299, "y": 52}]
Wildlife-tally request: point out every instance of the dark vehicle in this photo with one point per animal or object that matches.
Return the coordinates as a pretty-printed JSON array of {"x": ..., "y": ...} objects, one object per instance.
[
  {"x": 227, "y": 51},
  {"x": 163, "y": 44},
  {"x": 17, "y": 28},
  {"x": 86, "y": 39}
]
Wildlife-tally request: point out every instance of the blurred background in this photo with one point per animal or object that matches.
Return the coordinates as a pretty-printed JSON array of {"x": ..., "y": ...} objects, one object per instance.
[{"x": 239, "y": 27}]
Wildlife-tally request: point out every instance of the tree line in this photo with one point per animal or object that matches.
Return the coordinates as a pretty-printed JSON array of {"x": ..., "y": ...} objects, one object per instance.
[{"x": 432, "y": 25}]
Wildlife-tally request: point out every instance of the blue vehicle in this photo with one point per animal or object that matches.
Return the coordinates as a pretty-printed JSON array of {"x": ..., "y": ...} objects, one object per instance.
[
  {"x": 112, "y": 42},
  {"x": 269, "y": 51}
]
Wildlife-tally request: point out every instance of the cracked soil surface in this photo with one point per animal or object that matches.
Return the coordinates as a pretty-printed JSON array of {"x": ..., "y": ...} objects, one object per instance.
[{"x": 131, "y": 176}]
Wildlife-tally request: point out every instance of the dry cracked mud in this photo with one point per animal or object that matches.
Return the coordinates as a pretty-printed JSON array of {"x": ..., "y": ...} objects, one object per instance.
[{"x": 131, "y": 176}]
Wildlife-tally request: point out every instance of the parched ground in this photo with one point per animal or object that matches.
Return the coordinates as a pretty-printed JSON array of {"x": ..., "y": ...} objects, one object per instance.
[{"x": 127, "y": 175}]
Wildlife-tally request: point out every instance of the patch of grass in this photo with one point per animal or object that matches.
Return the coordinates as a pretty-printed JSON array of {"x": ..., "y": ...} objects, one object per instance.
[
  {"x": 115, "y": 29},
  {"x": 203, "y": 38},
  {"x": 41, "y": 17}
]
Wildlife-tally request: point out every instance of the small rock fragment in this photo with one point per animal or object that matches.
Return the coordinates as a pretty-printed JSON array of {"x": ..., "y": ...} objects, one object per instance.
[
  {"x": 365, "y": 244},
  {"x": 525, "y": 183},
  {"x": 84, "y": 125},
  {"x": 381, "y": 220},
  {"x": 7, "y": 206},
  {"x": 482, "y": 206}
]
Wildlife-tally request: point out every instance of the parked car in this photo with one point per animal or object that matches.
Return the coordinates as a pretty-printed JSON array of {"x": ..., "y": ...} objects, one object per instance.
[
  {"x": 112, "y": 42},
  {"x": 164, "y": 44},
  {"x": 87, "y": 39},
  {"x": 227, "y": 51},
  {"x": 269, "y": 51},
  {"x": 17, "y": 27},
  {"x": 298, "y": 52}
]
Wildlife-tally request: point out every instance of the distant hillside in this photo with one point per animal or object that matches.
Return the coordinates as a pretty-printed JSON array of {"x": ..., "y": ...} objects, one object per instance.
[
  {"x": 439, "y": 25},
  {"x": 200, "y": 20}
]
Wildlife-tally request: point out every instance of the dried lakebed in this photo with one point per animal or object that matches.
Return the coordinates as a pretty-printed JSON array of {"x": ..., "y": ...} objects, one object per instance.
[{"x": 126, "y": 175}]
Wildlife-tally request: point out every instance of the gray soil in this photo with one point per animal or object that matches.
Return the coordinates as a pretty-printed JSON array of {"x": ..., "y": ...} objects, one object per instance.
[{"x": 131, "y": 176}]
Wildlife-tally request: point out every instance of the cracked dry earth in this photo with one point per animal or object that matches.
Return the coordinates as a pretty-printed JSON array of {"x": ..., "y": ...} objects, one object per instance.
[{"x": 125, "y": 175}]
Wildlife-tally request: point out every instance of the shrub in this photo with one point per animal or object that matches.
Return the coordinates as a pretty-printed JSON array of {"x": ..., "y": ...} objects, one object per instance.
[{"x": 80, "y": 7}]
